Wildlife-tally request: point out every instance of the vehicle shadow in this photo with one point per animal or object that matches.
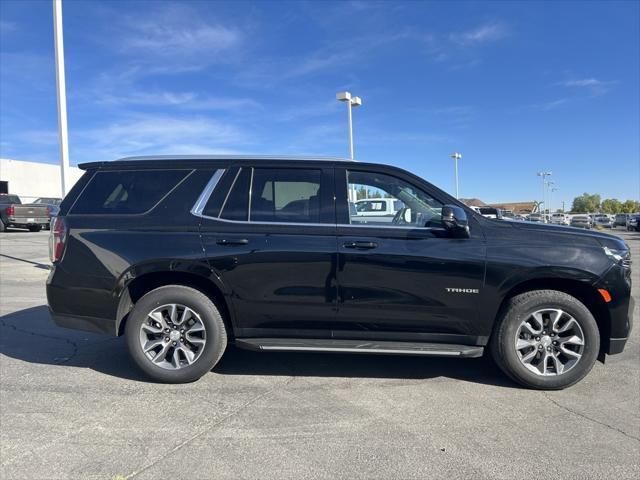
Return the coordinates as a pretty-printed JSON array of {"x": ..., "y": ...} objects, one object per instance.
[{"x": 31, "y": 336}]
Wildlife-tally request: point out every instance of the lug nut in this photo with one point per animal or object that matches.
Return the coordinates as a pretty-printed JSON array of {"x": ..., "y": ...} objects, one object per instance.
[
  {"x": 544, "y": 332},
  {"x": 538, "y": 339},
  {"x": 166, "y": 330},
  {"x": 182, "y": 330},
  {"x": 166, "y": 339},
  {"x": 174, "y": 344},
  {"x": 182, "y": 339},
  {"x": 548, "y": 349},
  {"x": 555, "y": 343},
  {"x": 539, "y": 347}
]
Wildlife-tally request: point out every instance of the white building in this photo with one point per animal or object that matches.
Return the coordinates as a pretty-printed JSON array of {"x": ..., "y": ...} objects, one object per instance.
[{"x": 30, "y": 180}]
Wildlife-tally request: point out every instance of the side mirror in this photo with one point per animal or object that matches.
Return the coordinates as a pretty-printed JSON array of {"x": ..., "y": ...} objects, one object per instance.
[{"x": 455, "y": 221}]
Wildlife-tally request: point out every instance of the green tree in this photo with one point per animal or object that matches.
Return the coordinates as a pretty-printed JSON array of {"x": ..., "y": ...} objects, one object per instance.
[
  {"x": 586, "y": 203},
  {"x": 611, "y": 205},
  {"x": 631, "y": 206}
]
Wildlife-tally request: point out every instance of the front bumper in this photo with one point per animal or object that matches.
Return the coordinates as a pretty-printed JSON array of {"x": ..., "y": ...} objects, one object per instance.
[{"x": 617, "y": 281}]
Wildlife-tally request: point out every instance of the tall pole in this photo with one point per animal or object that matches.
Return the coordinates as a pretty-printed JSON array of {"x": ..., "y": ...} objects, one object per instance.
[
  {"x": 544, "y": 175},
  {"x": 62, "y": 97},
  {"x": 456, "y": 156},
  {"x": 350, "y": 130}
]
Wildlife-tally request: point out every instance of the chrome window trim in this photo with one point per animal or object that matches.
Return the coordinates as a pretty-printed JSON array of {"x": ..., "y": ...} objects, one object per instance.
[
  {"x": 211, "y": 185},
  {"x": 233, "y": 184},
  {"x": 250, "y": 195},
  {"x": 202, "y": 200}
]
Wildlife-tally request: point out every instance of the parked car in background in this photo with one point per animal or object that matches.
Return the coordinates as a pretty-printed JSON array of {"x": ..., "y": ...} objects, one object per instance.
[
  {"x": 53, "y": 205},
  {"x": 560, "y": 218},
  {"x": 376, "y": 210},
  {"x": 262, "y": 253},
  {"x": 620, "y": 220},
  {"x": 15, "y": 214},
  {"x": 581, "y": 221},
  {"x": 602, "y": 220},
  {"x": 535, "y": 217},
  {"x": 634, "y": 223},
  {"x": 491, "y": 212}
]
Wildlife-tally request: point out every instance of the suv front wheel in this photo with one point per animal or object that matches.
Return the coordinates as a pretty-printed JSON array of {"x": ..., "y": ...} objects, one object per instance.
[
  {"x": 545, "y": 339},
  {"x": 175, "y": 334}
]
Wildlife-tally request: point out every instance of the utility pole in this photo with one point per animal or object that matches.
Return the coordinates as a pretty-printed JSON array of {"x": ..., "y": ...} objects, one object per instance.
[{"x": 62, "y": 97}]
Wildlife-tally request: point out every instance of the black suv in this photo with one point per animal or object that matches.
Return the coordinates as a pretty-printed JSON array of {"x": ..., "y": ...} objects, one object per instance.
[{"x": 184, "y": 255}]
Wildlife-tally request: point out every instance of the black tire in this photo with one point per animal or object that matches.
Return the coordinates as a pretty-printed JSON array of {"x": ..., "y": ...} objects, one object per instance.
[
  {"x": 521, "y": 306},
  {"x": 2, "y": 226},
  {"x": 216, "y": 333},
  {"x": 34, "y": 228}
]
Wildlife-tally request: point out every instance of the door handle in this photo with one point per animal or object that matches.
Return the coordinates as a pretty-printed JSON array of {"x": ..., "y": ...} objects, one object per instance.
[
  {"x": 363, "y": 245},
  {"x": 232, "y": 241}
]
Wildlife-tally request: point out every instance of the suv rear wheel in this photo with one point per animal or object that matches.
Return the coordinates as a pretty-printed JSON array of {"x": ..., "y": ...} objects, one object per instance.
[
  {"x": 546, "y": 339},
  {"x": 175, "y": 334}
]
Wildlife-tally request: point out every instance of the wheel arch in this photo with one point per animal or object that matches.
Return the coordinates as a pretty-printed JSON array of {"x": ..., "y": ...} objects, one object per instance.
[
  {"x": 143, "y": 284},
  {"x": 583, "y": 291}
]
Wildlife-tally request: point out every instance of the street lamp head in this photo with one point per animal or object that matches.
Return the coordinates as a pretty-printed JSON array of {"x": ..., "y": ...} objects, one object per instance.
[
  {"x": 456, "y": 156},
  {"x": 343, "y": 96},
  {"x": 356, "y": 101}
]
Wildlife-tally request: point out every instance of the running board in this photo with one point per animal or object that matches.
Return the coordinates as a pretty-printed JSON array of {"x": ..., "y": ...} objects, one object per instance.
[{"x": 358, "y": 346}]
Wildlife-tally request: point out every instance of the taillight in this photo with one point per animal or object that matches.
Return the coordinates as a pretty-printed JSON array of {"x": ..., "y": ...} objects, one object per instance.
[
  {"x": 57, "y": 238},
  {"x": 10, "y": 211}
]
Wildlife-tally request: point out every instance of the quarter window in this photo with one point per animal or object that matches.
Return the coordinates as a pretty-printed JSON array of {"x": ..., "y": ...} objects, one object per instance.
[{"x": 126, "y": 191}]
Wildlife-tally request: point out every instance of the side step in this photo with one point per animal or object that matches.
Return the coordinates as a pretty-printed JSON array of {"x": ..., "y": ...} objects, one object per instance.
[{"x": 359, "y": 346}]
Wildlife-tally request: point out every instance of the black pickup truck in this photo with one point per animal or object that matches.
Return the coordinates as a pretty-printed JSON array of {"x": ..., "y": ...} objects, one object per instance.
[{"x": 13, "y": 213}]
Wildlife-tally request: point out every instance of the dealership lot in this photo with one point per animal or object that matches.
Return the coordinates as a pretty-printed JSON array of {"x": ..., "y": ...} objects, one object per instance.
[{"x": 74, "y": 406}]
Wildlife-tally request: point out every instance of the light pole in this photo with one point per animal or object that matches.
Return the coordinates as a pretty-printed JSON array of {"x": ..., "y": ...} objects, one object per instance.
[
  {"x": 553, "y": 189},
  {"x": 544, "y": 174},
  {"x": 351, "y": 102},
  {"x": 456, "y": 156},
  {"x": 62, "y": 96}
]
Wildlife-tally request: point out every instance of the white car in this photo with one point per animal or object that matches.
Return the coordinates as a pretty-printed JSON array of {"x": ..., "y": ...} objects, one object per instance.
[{"x": 560, "y": 219}]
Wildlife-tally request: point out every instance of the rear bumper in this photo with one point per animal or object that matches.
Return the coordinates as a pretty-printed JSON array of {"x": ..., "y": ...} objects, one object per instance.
[
  {"x": 74, "y": 302},
  {"x": 87, "y": 324},
  {"x": 26, "y": 222}
]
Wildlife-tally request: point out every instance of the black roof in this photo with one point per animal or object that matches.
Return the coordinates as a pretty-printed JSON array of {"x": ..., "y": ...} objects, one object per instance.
[{"x": 190, "y": 160}]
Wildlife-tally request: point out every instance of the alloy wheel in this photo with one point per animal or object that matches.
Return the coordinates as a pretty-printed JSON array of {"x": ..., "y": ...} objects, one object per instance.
[
  {"x": 549, "y": 342},
  {"x": 173, "y": 336}
]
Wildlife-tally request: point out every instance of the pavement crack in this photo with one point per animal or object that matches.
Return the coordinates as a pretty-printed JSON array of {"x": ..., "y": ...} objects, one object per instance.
[
  {"x": 586, "y": 417},
  {"x": 209, "y": 428},
  {"x": 73, "y": 344}
]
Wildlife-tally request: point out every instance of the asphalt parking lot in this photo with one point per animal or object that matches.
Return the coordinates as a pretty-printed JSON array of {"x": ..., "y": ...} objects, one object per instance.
[{"x": 74, "y": 406}]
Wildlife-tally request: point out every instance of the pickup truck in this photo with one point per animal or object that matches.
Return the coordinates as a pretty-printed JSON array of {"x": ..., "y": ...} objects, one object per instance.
[
  {"x": 376, "y": 210},
  {"x": 14, "y": 214}
]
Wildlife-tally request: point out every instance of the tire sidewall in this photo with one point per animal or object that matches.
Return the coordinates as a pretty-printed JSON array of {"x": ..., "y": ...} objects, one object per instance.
[
  {"x": 551, "y": 300},
  {"x": 211, "y": 319}
]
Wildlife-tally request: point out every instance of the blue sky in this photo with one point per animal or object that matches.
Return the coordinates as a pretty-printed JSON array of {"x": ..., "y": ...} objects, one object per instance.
[{"x": 515, "y": 86}]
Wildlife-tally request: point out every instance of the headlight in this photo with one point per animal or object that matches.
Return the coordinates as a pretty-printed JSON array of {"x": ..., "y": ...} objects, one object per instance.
[{"x": 619, "y": 256}]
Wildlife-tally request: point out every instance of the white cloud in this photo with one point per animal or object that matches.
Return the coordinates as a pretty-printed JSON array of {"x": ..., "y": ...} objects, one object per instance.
[
  {"x": 146, "y": 134},
  {"x": 594, "y": 86},
  {"x": 489, "y": 32},
  {"x": 185, "y": 100},
  {"x": 551, "y": 105},
  {"x": 174, "y": 38}
]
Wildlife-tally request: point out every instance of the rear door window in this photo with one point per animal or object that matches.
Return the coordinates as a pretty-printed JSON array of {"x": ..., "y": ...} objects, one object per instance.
[
  {"x": 126, "y": 192},
  {"x": 286, "y": 195}
]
